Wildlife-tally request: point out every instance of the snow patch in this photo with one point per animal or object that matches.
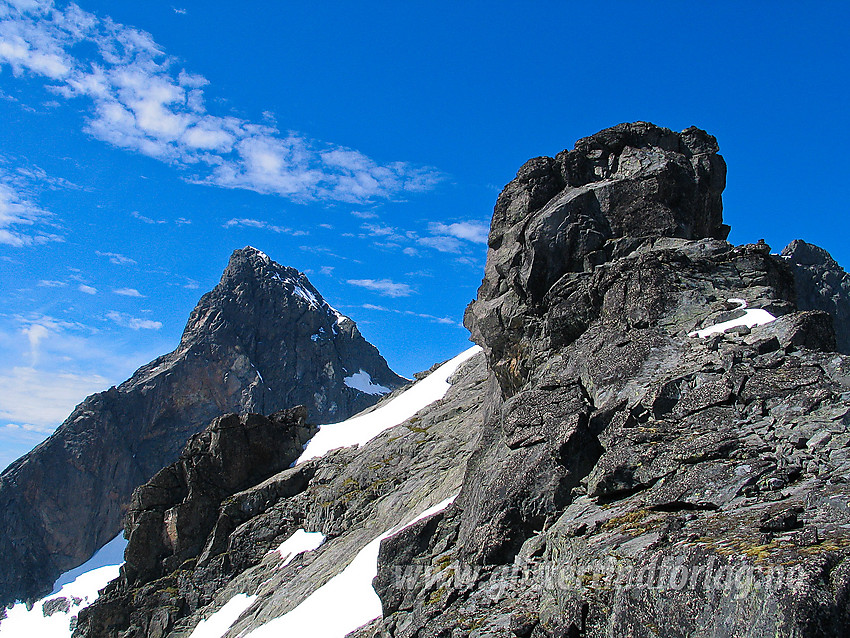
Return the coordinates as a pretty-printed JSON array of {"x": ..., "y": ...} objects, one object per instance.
[
  {"x": 360, "y": 429},
  {"x": 306, "y": 295},
  {"x": 752, "y": 317},
  {"x": 298, "y": 543},
  {"x": 110, "y": 554},
  {"x": 80, "y": 593},
  {"x": 362, "y": 381},
  {"x": 347, "y": 601},
  {"x": 217, "y": 625},
  {"x": 261, "y": 254}
]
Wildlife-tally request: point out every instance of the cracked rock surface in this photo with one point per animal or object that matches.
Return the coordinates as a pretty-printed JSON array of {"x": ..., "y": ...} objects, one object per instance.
[{"x": 632, "y": 480}]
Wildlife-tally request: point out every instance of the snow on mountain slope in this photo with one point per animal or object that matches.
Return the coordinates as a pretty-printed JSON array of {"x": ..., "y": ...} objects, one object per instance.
[
  {"x": 360, "y": 429},
  {"x": 216, "y": 625},
  {"x": 363, "y": 381},
  {"x": 349, "y": 594},
  {"x": 110, "y": 554},
  {"x": 752, "y": 317},
  {"x": 52, "y": 616},
  {"x": 298, "y": 543}
]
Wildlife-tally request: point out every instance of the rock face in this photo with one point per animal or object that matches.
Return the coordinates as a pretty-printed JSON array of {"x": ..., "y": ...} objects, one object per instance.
[
  {"x": 262, "y": 340},
  {"x": 821, "y": 284},
  {"x": 172, "y": 515},
  {"x": 632, "y": 478},
  {"x": 350, "y": 495}
]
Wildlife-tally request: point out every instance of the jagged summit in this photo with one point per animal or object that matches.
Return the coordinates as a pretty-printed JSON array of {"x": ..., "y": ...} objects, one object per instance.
[{"x": 261, "y": 341}]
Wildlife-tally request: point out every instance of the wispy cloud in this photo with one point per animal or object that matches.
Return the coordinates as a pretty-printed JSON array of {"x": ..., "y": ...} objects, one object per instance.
[
  {"x": 49, "y": 397},
  {"x": 89, "y": 290},
  {"x": 117, "y": 258},
  {"x": 257, "y": 223},
  {"x": 128, "y": 292},
  {"x": 470, "y": 231},
  {"x": 140, "y": 100},
  {"x": 146, "y": 219},
  {"x": 136, "y": 323},
  {"x": 51, "y": 283},
  {"x": 448, "y": 321},
  {"x": 384, "y": 287},
  {"x": 22, "y": 222},
  {"x": 441, "y": 243}
]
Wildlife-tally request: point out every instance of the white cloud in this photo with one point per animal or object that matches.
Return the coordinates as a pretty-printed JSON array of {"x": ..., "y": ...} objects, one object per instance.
[
  {"x": 21, "y": 221},
  {"x": 364, "y": 214},
  {"x": 140, "y": 100},
  {"x": 379, "y": 230},
  {"x": 128, "y": 292},
  {"x": 40, "y": 400},
  {"x": 257, "y": 223},
  {"x": 89, "y": 290},
  {"x": 136, "y": 323},
  {"x": 50, "y": 283},
  {"x": 443, "y": 244},
  {"x": 117, "y": 258},
  {"x": 383, "y": 287},
  {"x": 327, "y": 270},
  {"x": 146, "y": 219},
  {"x": 470, "y": 231},
  {"x": 410, "y": 313},
  {"x": 35, "y": 334}
]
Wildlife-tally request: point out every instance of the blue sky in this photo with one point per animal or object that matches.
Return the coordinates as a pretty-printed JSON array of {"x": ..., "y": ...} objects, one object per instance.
[{"x": 362, "y": 143}]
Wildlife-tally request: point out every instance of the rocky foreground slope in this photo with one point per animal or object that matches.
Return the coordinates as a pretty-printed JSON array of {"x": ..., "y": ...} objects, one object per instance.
[
  {"x": 655, "y": 442},
  {"x": 262, "y": 340}
]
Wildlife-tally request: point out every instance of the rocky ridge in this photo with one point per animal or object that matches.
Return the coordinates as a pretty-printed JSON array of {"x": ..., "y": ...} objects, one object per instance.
[
  {"x": 633, "y": 478},
  {"x": 262, "y": 340},
  {"x": 618, "y": 474}
]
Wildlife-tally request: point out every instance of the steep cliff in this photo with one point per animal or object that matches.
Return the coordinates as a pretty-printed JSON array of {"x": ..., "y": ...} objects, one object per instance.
[
  {"x": 665, "y": 449},
  {"x": 262, "y": 340}
]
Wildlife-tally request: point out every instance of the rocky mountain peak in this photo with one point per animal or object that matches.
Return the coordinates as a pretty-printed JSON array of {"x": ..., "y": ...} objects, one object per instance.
[{"x": 261, "y": 341}]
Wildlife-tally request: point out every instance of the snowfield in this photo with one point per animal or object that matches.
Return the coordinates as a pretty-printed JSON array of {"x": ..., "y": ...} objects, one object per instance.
[
  {"x": 360, "y": 429},
  {"x": 33, "y": 623},
  {"x": 216, "y": 625}
]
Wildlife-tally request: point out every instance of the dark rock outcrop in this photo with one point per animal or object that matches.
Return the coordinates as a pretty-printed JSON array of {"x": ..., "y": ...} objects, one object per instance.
[
  {"x": 633, "y": 478},
  {"x": 821, "y": 284},
  {"x": 172, "y": 515},
  {"x": 262, "y": 340}
]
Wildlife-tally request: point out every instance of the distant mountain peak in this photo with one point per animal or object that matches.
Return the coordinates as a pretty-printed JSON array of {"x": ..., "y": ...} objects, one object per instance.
[{"x": 264, "y": 339}]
